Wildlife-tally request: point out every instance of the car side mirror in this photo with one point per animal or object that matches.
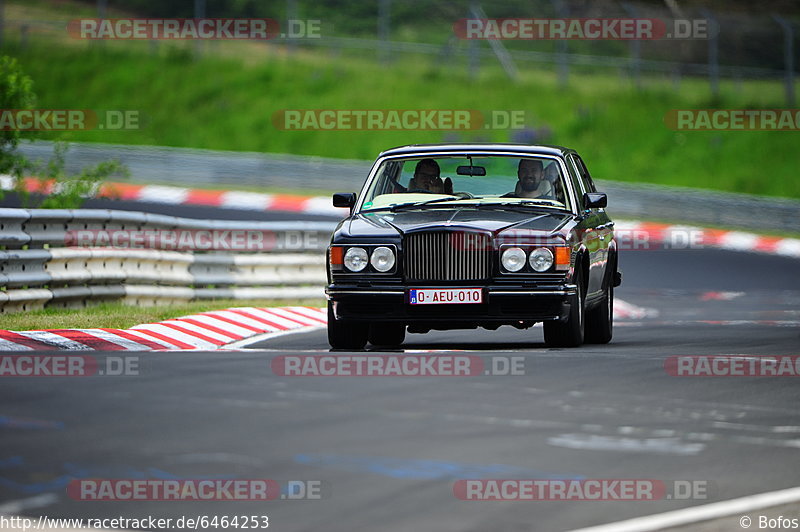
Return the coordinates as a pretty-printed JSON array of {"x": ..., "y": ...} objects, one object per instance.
[
  {"x": 344, "y": 199},
  {"x": 595, "y": 200}
]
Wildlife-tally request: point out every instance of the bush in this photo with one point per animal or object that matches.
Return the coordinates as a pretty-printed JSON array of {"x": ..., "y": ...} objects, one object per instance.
[{"x": 63, "y": 191}]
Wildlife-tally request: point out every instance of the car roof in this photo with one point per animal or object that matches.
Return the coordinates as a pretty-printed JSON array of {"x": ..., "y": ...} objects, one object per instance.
[{"x": 416, "y": 149}]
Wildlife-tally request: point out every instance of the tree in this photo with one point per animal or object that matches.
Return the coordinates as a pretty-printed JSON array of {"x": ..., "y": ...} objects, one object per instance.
[
  {"x": 16, "y": 92},
  {"x": 64, "y": 191}
]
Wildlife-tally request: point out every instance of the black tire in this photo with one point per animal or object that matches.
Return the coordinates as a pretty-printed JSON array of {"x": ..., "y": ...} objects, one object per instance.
[
  {"x": 600, "y": 320},
  {"x": 387, "y": 334},
  {"x": 344, "y": 334},
  {"x": 568, "y": 333}
]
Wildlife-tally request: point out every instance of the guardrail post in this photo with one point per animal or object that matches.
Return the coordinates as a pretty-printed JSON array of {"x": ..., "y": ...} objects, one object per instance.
[
  {"x": 291, "y": 14},
  {"x": 562, "y": 55},
  {"x": 102, "y": 7},
  {"x": 199, "y": 12},
  {"x": 788, "y": 57},
  {"x": 713, "y": 51},
  {"x": 472, "y": 48},
  {"x": 2, "y": 19},
  {"x": 384, "y": 21},
  {"x": 636, "y": 49}
]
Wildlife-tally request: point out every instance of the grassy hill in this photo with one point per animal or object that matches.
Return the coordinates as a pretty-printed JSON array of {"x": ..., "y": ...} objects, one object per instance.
[{"x": 226, "y": 100}]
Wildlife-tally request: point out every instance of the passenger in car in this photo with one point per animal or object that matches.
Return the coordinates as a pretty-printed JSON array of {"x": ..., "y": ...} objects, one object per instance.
[{"x": 531, "y": 182}]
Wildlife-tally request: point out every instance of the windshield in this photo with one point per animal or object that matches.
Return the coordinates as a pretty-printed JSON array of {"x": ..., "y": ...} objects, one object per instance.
[{"x": 425, "y": 182}]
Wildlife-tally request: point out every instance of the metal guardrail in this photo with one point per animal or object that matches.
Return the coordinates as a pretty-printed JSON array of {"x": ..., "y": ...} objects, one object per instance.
[
  {"x": 701, "y": 207},
  {"x": 225, "y": 168},
  {"x": 42, "y": 262},
  {"x": 193, "y": 167}
]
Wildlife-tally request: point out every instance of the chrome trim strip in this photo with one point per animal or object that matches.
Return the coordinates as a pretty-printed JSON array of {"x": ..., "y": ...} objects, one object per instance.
[
  {"x": 533, "y": 293},
  {"x": 401, "y": 292}
]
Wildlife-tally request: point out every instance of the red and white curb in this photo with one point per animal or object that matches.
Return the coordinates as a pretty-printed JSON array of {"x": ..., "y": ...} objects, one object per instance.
[
  {"x": 207, "y": 331},
  {"x": 218, "y": 329},
  {"x": 628, "y": 311},
  {"x": 637, "y": 233},
  {"x": 230, "y": 199},
  {"x": 650, "y": 235}
]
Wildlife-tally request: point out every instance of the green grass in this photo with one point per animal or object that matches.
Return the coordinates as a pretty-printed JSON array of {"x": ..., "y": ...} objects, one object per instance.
[
  {"x": 226, "y": 100},
  {"x": 120, "y": 316}
]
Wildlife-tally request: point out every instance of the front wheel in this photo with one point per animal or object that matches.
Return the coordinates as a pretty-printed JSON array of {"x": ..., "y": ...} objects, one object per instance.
[
  {"x": 568, "y": 333},
  {"x": 387, "y": 334},
  {"x": 344, "y": 334},
  {"x": 600, "y": 320}
]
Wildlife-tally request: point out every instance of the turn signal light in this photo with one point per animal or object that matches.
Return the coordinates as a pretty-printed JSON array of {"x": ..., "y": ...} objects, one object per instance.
[
  {"x": 336, "y": 254},
  {"x": 562, "y": 257}
]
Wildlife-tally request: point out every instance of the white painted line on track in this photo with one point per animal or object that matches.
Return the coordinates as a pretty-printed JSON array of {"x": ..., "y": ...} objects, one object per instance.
[
  {"x": 19, "y": 505},
  {"x": 240, "y": 344},
  {"x": 697, "y": 514}
]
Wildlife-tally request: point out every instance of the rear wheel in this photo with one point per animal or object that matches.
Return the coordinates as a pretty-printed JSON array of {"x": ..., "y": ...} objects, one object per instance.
[
  {"x": 387, "y": 334},
  {"x": 346, "y": 334},
  {"x": 568, "y": 333}
]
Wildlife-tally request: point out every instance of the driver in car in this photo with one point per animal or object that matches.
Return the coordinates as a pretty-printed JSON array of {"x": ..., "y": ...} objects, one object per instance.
[
  {"x": 426, "y": 178},
  {"x": 531, "y": 182}
]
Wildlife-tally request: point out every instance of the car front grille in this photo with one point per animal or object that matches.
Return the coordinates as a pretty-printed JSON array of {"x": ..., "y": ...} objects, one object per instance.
[{"x": 447, "y": 256}]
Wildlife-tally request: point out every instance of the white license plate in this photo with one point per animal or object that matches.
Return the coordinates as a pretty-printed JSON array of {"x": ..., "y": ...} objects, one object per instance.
[{"x": 444, "y": 296}]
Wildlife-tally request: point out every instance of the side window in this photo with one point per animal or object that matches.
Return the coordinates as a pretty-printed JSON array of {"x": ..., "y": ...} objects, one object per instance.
[
  {"x": 576, "y": 181},
  {"x": 585, "y": 177},
  {"x": 384, "y": 181}
]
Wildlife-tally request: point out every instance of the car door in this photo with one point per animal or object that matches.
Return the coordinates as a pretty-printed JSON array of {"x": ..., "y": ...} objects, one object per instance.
[{"x": 596, "y": 231}]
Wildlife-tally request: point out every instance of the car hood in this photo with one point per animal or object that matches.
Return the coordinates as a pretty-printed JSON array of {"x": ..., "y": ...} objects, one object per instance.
[{"x": 494, "y": 220}]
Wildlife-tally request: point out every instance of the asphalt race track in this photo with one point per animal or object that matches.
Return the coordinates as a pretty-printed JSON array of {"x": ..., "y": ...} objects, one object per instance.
[{"x": 387, "y": 451}]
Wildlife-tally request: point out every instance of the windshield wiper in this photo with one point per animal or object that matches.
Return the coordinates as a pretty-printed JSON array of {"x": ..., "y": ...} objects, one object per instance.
[
  {"x": 522, "y": 204},
  {"x": 397, "y": 206}
]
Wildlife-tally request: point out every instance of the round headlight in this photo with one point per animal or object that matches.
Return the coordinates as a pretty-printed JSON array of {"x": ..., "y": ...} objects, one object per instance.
[
  {"x": 382, "y": 259},
  {"x": 355, "y": 259},
  {"x": 513, "y": 259},
  {"x": 541, "y": 259}
]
